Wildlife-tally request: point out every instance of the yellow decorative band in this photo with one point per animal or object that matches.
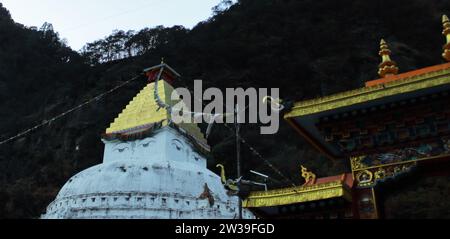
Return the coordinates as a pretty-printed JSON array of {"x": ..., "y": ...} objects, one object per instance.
[
  {"x": 428, "y": 80},
  {"x": 297, "y": 195}
]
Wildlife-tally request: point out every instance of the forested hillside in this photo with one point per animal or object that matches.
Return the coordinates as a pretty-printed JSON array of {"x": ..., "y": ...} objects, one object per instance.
[{"x": 307, "y": 48}]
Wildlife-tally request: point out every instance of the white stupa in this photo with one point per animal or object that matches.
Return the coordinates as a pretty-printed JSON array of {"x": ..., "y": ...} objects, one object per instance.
[{"x": 151, "y": 169}]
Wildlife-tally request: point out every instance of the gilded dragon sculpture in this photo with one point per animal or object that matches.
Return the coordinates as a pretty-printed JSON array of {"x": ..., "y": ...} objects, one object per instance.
[
  {"x": 310, "y": 178},
  {"x": 229, "y": 184}
]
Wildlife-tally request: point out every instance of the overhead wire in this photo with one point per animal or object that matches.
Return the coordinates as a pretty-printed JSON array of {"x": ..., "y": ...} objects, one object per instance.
[
  {"x": 249, "y": 146},
  {"x": 64, "y": 114}
]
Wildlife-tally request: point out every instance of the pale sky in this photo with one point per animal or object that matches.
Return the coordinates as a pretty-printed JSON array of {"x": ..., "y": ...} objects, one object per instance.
[{"x": 82, "y": 21}]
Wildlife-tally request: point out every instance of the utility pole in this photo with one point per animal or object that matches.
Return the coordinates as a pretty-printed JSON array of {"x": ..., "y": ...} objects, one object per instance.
[{"x": 238, "y": 152}]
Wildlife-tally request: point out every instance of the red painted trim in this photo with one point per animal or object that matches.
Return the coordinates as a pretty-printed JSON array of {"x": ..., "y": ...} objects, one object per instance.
[{"x": 422, "y": 71}]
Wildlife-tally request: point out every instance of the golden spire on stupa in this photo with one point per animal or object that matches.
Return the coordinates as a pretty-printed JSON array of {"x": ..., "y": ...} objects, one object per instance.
[
  {"x": 143, "y": 113},
  {"x": 446, "y": 33},
  {"x": 387, "y": 67}
]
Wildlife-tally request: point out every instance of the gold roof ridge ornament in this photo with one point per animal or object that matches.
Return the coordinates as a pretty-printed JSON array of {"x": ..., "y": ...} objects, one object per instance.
[
  {"x": 446, "y": 33},
  {"x": 388, "y": 67},
  {"x": 310, "y": 178},
  {"x": 228, "y": 184}
]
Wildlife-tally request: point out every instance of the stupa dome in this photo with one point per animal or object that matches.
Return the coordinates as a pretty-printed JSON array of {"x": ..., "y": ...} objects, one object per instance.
[{"x": 158, "y": 185}]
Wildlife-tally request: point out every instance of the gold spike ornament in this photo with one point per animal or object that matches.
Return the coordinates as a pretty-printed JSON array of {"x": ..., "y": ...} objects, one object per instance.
[
  {"x": 387, "y": 67},
  {"x": 446, "y": 33}
]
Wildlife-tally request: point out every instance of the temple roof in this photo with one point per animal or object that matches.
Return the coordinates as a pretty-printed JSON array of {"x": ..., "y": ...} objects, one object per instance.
[
  {"x": 391, "y": 89},
  {"x": 421, "y": 79},
  {"x": 324, "y": 188},
  {"x": 315, "y": 119}
]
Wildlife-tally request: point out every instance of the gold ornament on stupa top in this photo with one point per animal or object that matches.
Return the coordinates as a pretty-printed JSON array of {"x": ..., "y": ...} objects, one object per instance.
[
  {"x": 143, "y": 109},
  {"x": 143, "y": 112},
  {"x": 387, "y": 67},
  {"x": 446, "y": 33}
]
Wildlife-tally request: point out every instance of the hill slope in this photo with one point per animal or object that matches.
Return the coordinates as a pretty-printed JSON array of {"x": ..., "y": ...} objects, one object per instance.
[{"x": 306, "y": 48}]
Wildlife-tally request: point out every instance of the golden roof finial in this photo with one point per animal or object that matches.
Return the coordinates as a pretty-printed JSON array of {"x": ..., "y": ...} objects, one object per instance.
[
  {"x": 446, "y": 33},
  {"x": 310, "y": 178},
  {"x": 387, "y": 67}
]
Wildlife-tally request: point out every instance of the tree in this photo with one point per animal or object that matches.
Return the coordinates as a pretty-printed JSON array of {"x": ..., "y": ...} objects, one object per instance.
[
  {"x": 222, "y": 6},
  {"x": 4, "y": 14}
]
